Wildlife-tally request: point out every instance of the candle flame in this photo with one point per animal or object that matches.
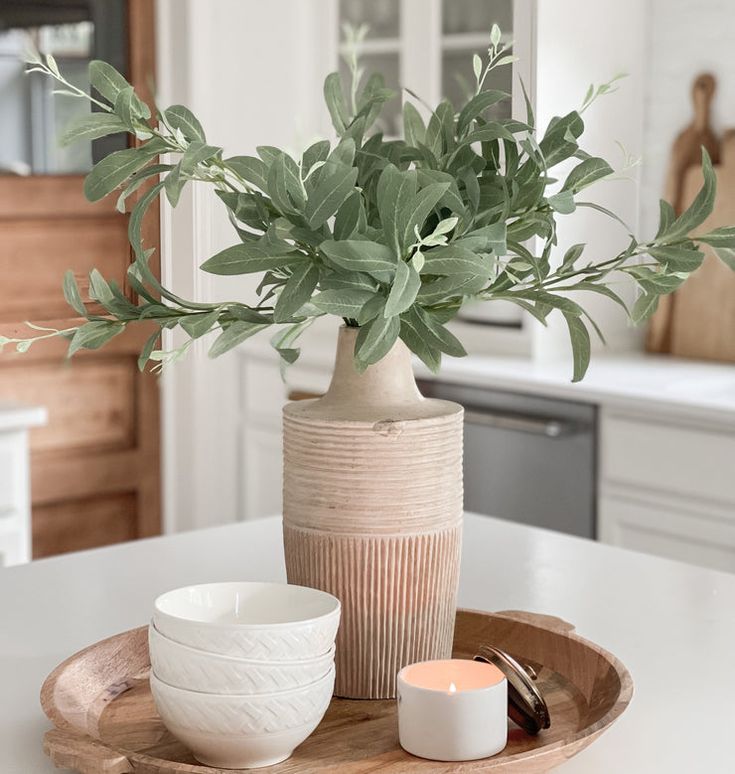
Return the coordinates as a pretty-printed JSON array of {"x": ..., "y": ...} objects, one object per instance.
[{"x": 452, "y": 688}]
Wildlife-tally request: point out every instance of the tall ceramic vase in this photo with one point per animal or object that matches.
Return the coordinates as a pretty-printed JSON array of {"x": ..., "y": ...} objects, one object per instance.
[{"x": 373, "y": 514}]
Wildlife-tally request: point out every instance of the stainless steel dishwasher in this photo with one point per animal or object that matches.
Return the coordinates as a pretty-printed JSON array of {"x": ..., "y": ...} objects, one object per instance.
[{"x": 527, "y": 459}]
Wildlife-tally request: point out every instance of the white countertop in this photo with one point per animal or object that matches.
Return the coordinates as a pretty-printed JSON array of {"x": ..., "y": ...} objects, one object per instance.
[
  {"x": 672, "y": 624},
  {"x": 18, "y": 416}
]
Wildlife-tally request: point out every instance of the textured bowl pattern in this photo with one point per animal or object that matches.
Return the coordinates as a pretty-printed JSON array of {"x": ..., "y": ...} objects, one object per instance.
[
  {"x": 242, "y": 715},
  {"x": 296, "y": 642},
  {"x": 188, "y": 668}
]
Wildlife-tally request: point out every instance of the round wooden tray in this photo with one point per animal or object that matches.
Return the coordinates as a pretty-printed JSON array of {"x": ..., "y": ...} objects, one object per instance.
[{"x": 106, "y": 722}]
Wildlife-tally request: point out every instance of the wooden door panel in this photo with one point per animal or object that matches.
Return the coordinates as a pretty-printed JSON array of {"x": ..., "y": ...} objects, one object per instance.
[
  {"x": 73, "y": 525},
  {"x": 37, "y": 252},
  {"x": 91, "y": 403},
  {"x": 95, "y": 468}
]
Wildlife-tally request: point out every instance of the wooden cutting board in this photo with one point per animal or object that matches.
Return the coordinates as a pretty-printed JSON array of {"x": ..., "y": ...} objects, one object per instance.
[
  {"x": 703, "y": 321},
  {"x": 685, "y": 154}
]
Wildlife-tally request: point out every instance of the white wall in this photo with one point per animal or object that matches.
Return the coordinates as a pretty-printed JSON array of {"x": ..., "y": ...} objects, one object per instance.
[
  {"x": 685, "y": 38},
  {"x": 579, "y": 43},
  {"x": 248, "y": 69}
]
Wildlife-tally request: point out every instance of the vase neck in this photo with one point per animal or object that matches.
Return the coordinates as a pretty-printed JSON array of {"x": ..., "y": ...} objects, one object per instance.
[{"x": 388, "y": 382}]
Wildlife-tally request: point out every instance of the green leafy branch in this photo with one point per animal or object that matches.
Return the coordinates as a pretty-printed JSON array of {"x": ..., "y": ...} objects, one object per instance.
[{"x": 393, "y": 236}]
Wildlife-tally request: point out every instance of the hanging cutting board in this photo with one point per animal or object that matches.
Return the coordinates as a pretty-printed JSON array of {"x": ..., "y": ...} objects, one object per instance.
[
  {"x": 703, "y": 322},
  {"x": 685, "y": 154}
]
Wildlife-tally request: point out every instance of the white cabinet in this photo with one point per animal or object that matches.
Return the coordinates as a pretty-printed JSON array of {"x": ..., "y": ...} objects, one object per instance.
[
  {"x": 15, "y": 509},
  {"x": 666, "y": 487},
  {"x": 261, "y": 448}
]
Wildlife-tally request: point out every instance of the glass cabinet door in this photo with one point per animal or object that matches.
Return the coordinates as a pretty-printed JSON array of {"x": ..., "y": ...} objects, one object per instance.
[
  {"x": 379, "y": 49},
  {"x": 33, "y": 118},
  {"x": 466, "y": 28}
]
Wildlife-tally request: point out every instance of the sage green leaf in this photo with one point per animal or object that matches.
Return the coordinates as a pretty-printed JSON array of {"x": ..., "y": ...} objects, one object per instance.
[
  {"x": 363, "y": 256},
  {"x": 234, "y": 334},
  {"x": 667, "y": 217},
  {"x": 148, "y": 347},
  {"x": 602, "y": 290},
  {"x": 719, "y": 237},
  {"x": 477, "y": 105},
  {"x": 250, "y": 169},
  {"x": 114, "y": 169},
  {"x": 580, "y": 338},
  {"x": 348, "y": 281},
  {"x": 173, "y": 183},
  {"x": 93, "y": 335},
  {"x": 135, "y": 224},
  {"x": 181, "y": 118},
  {"x": 488, "y": 239},
  {"x": 395, "y": 195},
  {"x": 571, "y": 256},
  {"x": 454, "y": 286},
  {"x": 678, "y": 257},
  {"x": 342, "y": 155},
  {"x": 406, "y": 284},
  {"x": 197, "y": 325},
  {"x": 413, "y": 335},
  {"x": 453, "y": 259},
  {"x": 248, "y": 258},
  {"x": 644, "y": 307},
  {"x": 562, "y": 303},
  {"x": 99, "y": 290},
  {"x": 435, "y": 334},
  {"x": 587, "y": 172},
  {"x": 350, "y": 216},
  {"x": 375, "y": 340},
  {"x": 563, "y": 202},
  {"x": 297, "y": 291},
  {"x": 414, "y": 130},
  {"x": 72, "y": 294},
  {"x": 106, "y": 79},
  {"x": 329, "y": 195},
  {"x": 559, "y": 142},
  {"x": 278, "y": 188},
  {"x": 451, "y": 199},
  {"x": 315, "y": 153},
  {"x": 335, "y": 100},
  {"x": 701, "y": 208},
  {"x": 90, "y": 127},
  {"x": 491, "y": 131},
  {"x": 372, "y": 308},
  {"x": 343, "y": 303},
  {"x": 197, "y": 152},
  {"x": 129, "y": 108},
  {"x": 418, "y": 211}
]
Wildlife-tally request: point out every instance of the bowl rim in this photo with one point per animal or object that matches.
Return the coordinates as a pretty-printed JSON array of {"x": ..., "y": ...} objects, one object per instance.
[
  {"x": 158, "y": 612},
  {"x": 243, "y": 696},
  {"x": 328, "y": 654}
]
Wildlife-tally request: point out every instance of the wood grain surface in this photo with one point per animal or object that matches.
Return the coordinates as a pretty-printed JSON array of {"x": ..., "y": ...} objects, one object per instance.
[
  {"x": 686, "y": 153},
  {"x": 106, "y": 723}
]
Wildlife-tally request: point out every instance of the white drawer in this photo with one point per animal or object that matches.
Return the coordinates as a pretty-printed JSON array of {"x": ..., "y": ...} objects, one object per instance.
[
  {"x": 674, "y": 530},
  {"x": 673, "y": 459},
  {"x": 12, "y": 472}
]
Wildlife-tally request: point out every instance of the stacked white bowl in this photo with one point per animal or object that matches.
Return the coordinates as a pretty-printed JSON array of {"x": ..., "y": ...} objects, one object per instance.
[{"x": 242, "y": 673}]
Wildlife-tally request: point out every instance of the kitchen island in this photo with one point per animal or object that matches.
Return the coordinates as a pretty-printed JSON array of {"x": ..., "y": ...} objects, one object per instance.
[{"x": 671, "y": 624}]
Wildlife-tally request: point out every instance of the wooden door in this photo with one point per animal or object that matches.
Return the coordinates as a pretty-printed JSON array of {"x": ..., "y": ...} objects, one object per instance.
[{"x": 95, "y": 467}]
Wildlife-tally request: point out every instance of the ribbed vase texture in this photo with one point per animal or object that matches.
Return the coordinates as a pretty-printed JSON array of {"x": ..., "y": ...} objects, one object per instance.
[{"x": 373, "y": 514}]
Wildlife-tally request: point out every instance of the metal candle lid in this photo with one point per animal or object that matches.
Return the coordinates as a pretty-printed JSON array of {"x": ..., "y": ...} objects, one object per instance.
[{"x": 526, "y": 705}]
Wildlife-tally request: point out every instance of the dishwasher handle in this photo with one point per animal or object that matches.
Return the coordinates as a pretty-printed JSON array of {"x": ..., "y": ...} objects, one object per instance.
[{"x": 523, "y": 423}]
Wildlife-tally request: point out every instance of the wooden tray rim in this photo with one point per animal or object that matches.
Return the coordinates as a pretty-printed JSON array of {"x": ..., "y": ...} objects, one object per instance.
[{"x": 536, "y": 620}]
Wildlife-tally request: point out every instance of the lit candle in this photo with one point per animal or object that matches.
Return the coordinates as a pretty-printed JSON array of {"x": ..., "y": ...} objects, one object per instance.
[{"x": 454, "y": 710}]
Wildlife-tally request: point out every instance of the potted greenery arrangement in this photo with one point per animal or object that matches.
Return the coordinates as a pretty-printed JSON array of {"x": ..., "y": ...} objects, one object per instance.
[{"x": 394, "y": 237}]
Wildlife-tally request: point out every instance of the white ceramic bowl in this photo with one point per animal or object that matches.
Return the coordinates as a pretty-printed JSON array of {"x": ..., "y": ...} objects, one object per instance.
[
  {"x": 260, "y": 621},
  {"x": 242, "y": 732},
  {"x": 197, "y": 670}
]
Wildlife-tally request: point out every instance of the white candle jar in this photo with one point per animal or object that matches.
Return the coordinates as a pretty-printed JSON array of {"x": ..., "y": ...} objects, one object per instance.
[{"x": 452, "y": 710}]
